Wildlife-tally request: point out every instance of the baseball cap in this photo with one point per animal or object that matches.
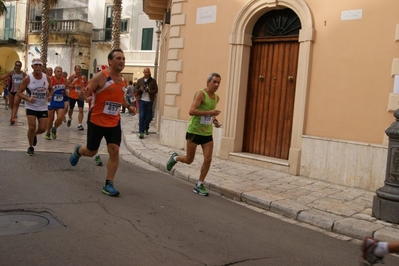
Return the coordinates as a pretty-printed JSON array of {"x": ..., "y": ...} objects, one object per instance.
[{"x": 37, "y": 61}]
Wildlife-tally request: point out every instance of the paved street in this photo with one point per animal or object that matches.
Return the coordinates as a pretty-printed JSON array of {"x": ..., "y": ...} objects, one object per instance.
[{"x": 288, "y": 239}]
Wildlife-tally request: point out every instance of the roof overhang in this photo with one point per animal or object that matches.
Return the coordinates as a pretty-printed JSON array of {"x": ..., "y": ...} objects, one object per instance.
[{"x": 155, "y": 9}]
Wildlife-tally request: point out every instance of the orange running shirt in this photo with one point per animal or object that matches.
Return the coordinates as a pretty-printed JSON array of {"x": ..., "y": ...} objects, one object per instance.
[
  {"x": 106, "y": 103},
  {"x": 77, "y": 82}
]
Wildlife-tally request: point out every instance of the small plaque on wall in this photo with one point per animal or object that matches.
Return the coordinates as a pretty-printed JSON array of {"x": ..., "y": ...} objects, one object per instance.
[
  {"x": 206, "y": 15},
  {"x": 351, "y": 14}
]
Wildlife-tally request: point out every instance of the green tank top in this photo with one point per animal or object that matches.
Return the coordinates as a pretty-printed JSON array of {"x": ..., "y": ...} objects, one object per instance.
[{"x": 202, "y": 125}]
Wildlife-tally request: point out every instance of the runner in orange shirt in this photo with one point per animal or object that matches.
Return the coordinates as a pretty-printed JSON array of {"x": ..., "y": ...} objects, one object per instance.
[
  {"x": 104, "y": 117},
  {"x": 75, "y": 84}
]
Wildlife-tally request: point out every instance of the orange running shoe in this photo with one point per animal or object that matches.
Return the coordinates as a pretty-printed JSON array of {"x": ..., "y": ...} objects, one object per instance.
[{"x": 12, "y": 120}]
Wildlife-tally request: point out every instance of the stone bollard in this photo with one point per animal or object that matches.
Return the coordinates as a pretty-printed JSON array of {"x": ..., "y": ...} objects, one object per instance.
[{"x": 386, "y": 202}]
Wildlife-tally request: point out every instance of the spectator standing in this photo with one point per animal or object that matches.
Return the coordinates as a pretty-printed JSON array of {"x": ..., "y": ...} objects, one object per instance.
[{"x": 146, "y": 90}]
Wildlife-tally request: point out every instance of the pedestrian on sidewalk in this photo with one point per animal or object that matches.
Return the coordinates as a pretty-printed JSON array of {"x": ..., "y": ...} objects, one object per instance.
[
  {"x": 128, "y": 95},
  {"x": 374, "y": 251},
  {"x": 38, "y": 88},
  {"x": 104, "y": 120},
  {"x": 146, "y": 89},
  {"x": 200, "y": 130},
  {"x": 56, "y": 104}
]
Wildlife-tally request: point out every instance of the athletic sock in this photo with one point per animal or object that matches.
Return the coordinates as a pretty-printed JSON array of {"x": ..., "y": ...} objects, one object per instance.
[{"x": 381, "y": 249}]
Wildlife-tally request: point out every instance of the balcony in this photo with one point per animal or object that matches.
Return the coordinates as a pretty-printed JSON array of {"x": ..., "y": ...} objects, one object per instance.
[
  {"x": 140, "y": 58},
  {"x": 63, "y": 26}
]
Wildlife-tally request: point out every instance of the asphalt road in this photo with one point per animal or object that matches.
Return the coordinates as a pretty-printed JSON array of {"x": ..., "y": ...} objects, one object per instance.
[{"x": 157, "y": 220}]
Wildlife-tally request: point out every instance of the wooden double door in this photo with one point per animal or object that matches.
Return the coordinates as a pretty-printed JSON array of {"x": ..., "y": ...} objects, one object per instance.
[{"x": 270, "y": 96}]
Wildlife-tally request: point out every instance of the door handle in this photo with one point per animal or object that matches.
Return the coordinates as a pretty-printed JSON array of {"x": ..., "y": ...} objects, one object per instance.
[
  {"x": 261, "y": 77},
  {"x": 290, "y": 78}
]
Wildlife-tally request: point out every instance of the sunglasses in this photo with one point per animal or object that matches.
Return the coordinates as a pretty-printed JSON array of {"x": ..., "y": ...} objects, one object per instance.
[{"x": 18, "y": 65}]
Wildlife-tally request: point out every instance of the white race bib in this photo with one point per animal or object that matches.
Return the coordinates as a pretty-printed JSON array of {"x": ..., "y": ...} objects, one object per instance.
[
  {"x": 111, "y": 108},
  {"x": 58, "y": 97},
  {"x": 206, "y": 120},
  {"x": 39, "y": 95}
]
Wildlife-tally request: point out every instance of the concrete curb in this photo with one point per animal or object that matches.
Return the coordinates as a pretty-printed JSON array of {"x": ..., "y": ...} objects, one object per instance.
[{"x": 349, "y": 222}]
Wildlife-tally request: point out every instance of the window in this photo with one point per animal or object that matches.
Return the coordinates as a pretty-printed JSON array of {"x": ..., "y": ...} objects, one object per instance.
[
  {"x": 146, "y": 39},
  {"x": 124, "y": 24},
  {"x": 108, "y": 23},
  {"x": 9, "y": 23}
]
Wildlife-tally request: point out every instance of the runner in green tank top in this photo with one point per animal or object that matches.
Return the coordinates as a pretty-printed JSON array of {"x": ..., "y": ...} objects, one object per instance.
[{"x": 200, "y": 129}]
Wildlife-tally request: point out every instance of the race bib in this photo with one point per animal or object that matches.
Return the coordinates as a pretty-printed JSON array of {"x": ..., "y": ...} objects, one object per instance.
[
  {"x": 58, "y": 97},
  {"x": 111, "y": 108},
  {"x": 40, "y": 96},
  {"x": 206, "y": 120}
]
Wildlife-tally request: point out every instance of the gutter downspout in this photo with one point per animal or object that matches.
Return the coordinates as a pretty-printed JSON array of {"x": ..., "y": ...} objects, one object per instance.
[{"x": 27, "y": 34}]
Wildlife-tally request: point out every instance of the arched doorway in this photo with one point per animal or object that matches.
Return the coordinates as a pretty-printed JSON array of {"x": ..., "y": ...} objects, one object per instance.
[{"x": 271, "y": 84}]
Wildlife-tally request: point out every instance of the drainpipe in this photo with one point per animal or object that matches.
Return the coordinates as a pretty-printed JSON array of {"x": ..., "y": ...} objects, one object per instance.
[{"x": 27, "y": 34}]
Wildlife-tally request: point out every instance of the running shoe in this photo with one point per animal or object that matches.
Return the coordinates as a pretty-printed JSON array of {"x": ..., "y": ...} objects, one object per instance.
[
  {"x": 110, "y": 190},
  {"x": 146, "y": 132},
  {"x": 171, "y": 162},
  {"x": 141, "y": 136},
  {"x": 74, "y": 159},
  {"x": 12, "y": 120},
  {"x": 69, "y": 123},
  {"x": 47, "y": 136},
  {"x": 80, "y": 127},
  {"x": 6, "y": 107},
  {"x": 200, "y": 190},
  {"x": 30, "y": 151},
  {"x": 53, "y": 133},
  {"x": 97, "y": 160},
  {"x": 368, "y": 257},
  {"x": 34, "y": 141}
]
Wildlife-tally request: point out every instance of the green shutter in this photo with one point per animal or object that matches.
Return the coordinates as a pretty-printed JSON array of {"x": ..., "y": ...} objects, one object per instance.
[{"x": 146, "y": 39}]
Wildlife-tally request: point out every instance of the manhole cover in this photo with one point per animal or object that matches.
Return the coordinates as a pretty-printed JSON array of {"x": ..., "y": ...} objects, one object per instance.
[{"x": 20, "y": 223}]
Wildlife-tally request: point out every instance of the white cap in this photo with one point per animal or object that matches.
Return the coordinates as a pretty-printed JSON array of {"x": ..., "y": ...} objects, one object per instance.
[{"x": 37, "y": 61}]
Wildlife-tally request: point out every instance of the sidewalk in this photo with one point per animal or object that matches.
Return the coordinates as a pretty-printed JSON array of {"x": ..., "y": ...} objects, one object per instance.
[{"x": 331, "y": 207}]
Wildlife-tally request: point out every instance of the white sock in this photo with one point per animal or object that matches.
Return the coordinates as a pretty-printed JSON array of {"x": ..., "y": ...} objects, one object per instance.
[
  {"x": 381, "y": 249},
  {"x": 175, "y": 158},
  {"x": 199, "y": 183}
]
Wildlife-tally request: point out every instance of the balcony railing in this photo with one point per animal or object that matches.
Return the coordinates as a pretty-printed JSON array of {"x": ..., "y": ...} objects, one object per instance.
[
  {"x": 139, "y": 57},
  {"x": 63, "y": 26}
]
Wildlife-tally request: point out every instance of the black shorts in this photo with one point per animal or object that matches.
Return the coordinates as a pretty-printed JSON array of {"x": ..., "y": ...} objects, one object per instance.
[
  {"x": 96, "y": 133},
  {"x": 72, "y": 103},
  {"x": 38, "y": 114},
  {"x": 198, "y": 139},
  {"x": 13, "y": 93}
]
